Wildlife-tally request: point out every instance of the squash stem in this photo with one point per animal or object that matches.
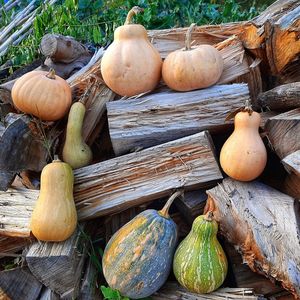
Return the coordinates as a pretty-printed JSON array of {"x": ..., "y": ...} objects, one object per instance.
[
  {"x": 248, "y": 107},
  {"x": 134, "y": 11},
  {"x": 51, "y": 74},
  {"x": 188, "y": 36},
  {"x": 165, "y": 210},
  {"x": 209, "y": 216}
]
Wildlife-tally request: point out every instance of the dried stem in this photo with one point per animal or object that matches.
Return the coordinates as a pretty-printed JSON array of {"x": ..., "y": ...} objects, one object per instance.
[
  {"x": 188, "y": 36},
  {"x": 134, "y": 11}
]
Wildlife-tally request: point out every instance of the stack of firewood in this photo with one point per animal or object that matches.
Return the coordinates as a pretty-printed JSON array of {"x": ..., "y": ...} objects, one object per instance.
[{"x": 147, "y": 146}]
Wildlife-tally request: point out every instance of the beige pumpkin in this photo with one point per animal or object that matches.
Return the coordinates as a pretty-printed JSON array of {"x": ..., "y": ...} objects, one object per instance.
[
  {"x": 192, "y": 68},
  {"x": 244, "y": 156},
  {"x": 131, "y": 65},
  {"x": 42, "y": 94}
]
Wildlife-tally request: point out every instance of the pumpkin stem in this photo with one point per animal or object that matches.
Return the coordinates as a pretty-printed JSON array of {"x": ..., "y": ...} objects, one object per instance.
[
  {"x": 188, "y": 36},
  {"x": 134, "y": 11},
  {"x": 56, "y": 159},
  {"x": 51, "y": 74},
  {"x": 209, "y": 216},
  {"x": 248, "y": 107},
  {"x": 165, "y": 210}
]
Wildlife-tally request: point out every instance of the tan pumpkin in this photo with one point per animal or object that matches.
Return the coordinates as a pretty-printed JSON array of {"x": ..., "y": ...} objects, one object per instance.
[
  {"x": 131, "y": 65},
  {"x": 244, "y": 156},
  {"x": 42, "y": 94},
  {"x": 54, "y": 217},
  {"x": 192, "y": 68}
]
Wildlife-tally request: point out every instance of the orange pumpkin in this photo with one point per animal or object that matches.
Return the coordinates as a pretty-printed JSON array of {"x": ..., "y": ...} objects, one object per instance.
[
  {"x": 42, "y": 94},
  {"x": 131, "y": 65},
  {"x": 192, "y": 68}
]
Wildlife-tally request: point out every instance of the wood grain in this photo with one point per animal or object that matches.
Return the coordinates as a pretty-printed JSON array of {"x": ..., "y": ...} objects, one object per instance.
[{"x": 292, "y": 163}]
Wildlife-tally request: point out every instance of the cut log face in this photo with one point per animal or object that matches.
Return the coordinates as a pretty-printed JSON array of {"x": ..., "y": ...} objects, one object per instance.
[
  {"x": 284, "y": 132},
  {"x": 292, "y": 163},
  {"x": 169, "y": 115},
  {"x": 264, "y": 225},
  {"x": 19, "y": 283},
  {"x": 59, "y": 265}
]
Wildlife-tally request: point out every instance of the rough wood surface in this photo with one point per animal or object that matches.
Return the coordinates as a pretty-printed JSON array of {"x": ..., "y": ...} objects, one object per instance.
[
  {"x": 291, "y": 185},
  {"x": 284, "y": 132},
  {"x": 63, "y": 49},
  {"x": 47, "y": 294},
  {"x": 172, "y": 291},
  {"x": 11, "y": 245},
  {"x": 126, "y": 181},
  {"x": 59, "y": 265},
  {"x": 292, "y": 163},
  {"x": 19, "y": 284},
  {"x": 283, "y": 97},
  {"x": 263, "y": 224},
  {"x": 165, "y": 116}
]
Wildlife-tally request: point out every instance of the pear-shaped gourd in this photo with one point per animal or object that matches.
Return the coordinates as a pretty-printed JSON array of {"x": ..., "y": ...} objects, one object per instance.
[
  {"x": 244, "y": 156},
  {"x": 138, "y": 258},
  {"x": 76, "y": 152},
  {"x": 192, "y": 68},
  {"x": 131, "y": 65},
  {"x": 54, "y": 217},
  {"x": 200, "y": 264}
]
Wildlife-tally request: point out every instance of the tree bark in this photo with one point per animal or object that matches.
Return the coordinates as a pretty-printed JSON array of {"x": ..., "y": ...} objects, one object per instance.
[{"x": 263, "y": 224}]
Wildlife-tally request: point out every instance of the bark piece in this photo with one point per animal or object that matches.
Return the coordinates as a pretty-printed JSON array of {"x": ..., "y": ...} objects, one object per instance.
[
  {"x": 165, "y": 116},
  {"x": 283, "y": 97},
  {"x": 19, "y": 283},
  {"x": 263, "y": 224},
  {"x": 284, "y": 132},
  {"x": 292, "y": 163},
  {"x": 59, "y": 265}
]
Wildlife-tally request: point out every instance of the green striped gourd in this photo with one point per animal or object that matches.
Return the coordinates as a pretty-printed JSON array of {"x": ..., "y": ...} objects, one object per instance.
[
  {"x": 138, "y": 258},
  {"x": 200, "y": 264}
]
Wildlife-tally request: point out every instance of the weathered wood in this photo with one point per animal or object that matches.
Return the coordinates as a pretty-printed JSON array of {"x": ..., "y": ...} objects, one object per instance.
[
  {"x": 59, "y": 265},
  {"x": 191, "y": 205},
  {"x": 292, "y": 163},
  {"x": 6, "y": 179},
  {"x": 283, "y": 97},
  {"x": 291, "y": 185},
  {"x": 47, "y": 294},
  {"x": 19, "y": 283},
  {"x": 173, "y": 291},
  {"x": 165, "y": 116},
  {"x": 11, "y": 245},
  {"x": 123, "y": 182},
  {"x": 117, "y": 184},
  {"x": 263, "y": 224},
  {"x": 284, "y": 132},
  {"x": 64, "y": 49}
]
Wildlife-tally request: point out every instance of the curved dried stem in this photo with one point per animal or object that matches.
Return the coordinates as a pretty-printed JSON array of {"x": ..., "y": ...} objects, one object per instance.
[
  {"x": 188, "y": 36},
  {"x": 134, "y": 11}
]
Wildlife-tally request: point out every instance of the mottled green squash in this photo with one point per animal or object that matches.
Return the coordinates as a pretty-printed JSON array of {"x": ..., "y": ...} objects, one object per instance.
[
  {"x": 138, "y": 258},
  {"x": 200, "y": 264}
]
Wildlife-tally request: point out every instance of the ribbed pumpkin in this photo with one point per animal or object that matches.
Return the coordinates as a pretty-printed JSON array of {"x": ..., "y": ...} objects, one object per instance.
[
  {"x": 54, "y": 217},
  {"x": 131, "y": 65},
  {"x": 42, "y": 94},
  {"x": 200, "y": 264},
  {"x": 244, "y": 156},
  {"x": 192, "y": 68},
  {"x": 138, "y": 258}
]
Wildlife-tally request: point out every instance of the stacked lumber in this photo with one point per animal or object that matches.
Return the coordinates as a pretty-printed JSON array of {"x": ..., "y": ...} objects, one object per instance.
[{"x": 148, "y": 146}]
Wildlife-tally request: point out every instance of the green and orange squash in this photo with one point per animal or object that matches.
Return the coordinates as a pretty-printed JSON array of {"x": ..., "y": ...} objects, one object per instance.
[
  {"x": 138, "y": 258},
  {"x": 200, "y": 264}
]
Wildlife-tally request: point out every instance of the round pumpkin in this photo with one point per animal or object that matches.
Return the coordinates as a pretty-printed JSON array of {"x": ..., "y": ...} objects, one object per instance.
[
  {"x": 138, "y": 258},
  {"x": 244, "y": 156},
  {"x": 192, "y": 68},
  {"x": 42, "y": 94},
  {"x": 200, "y": 263},
  {"x": 131, "y": 65}
]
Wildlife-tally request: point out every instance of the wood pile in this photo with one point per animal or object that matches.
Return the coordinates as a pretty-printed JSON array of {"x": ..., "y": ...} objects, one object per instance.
[{"x": 146, "y": 147}]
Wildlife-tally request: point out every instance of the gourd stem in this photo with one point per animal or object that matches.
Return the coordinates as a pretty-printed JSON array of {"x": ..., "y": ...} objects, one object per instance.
[
  {"x": 56, "y": 159},
  {"x": 188, "y": 36},
  {"x": 134, "y": 11},
  {"x": 51, "y": 74},
  {"x": 209, "y": 216},
  {"x": 248, "y": 107},
  {"x": 165, "y": 210}
]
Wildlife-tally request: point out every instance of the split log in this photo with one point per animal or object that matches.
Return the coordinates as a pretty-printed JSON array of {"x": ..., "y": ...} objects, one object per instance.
[
  {"x": 64, "y": 49},
  {"x": 191, "y": 205},
  {"x": 19, "y": 283},
  {"x": 157, "y": 118},
  {"x": 59, "y": 265},
  {"x": 284, "y": 97},
  {"x": 47, "y": 294},
  {"x": 284, "y": 132},
  {"x": 173, "y": 291},
  {"x": 291, "y": 186},
  {"x": 126, "y": 181},
  {"x": 292, "y": 163},
  {"x": 263, "y": 224},
  {"x": 11, "y": 245},
  {"x": 115, "y": 185}
]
